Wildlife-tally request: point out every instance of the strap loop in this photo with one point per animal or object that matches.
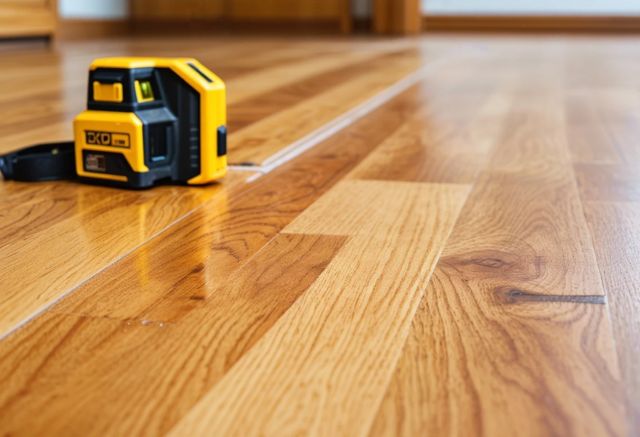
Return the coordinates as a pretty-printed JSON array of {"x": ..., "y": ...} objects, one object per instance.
[{"x": 43, "y": 162}]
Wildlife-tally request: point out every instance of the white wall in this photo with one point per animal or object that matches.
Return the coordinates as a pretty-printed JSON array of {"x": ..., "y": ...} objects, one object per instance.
[
  {"x": 539, "y": 7},
  {"x": 98, "y": 9},
  {"x": 114, "y": 9}
]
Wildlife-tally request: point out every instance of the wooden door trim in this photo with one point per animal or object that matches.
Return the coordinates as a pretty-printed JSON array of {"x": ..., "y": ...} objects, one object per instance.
[{"x": 396, "y": 16}]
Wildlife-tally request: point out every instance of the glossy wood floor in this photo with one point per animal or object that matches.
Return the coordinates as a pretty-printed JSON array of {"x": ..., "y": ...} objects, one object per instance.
[{"x": 460, "y": 257}]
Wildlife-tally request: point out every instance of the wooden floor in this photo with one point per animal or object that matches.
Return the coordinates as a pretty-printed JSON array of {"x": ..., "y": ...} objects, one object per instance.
[{"x": 433, "y": 236}]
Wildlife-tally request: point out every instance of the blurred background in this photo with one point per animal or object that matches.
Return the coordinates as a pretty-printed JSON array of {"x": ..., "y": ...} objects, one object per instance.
[{"x": 97, "y": 18}]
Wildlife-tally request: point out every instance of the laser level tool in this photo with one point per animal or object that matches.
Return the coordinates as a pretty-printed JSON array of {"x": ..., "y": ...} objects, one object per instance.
[{"x": 148, "y": 120}]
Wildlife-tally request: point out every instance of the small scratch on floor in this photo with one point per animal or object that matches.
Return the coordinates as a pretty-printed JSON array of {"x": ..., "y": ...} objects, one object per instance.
[{"x": 514, "y": 295}]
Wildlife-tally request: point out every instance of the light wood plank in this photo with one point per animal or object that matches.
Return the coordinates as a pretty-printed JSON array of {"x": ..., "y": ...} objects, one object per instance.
[
  {"x": 265, "y": 137},
  {"x": 181, "y": 281},
  {"x": 481, "y": 360},
  {"x": 428, "y": 148},
  {"x": 93, "y": 218},
  {"x": 227, "y": 324},
  {"x": 298, "y": 333},
  {"x": 616, "y": 233},
  {"x": 246, "y": 112},
  {"x": 238, "y": 225},
  {"x": 513, "y": 334},
  {"x": 50, "y": 260},
  {"x": 513, "y": 328},
  {"x": 271, "y": 78},
  {"x": 80, "y": 219},
  {"x": 608, "y": 182},
  {"x": 338, "y": 344}
]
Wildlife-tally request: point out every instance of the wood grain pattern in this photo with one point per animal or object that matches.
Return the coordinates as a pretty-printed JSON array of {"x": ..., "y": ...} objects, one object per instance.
[
  {"x": 306, "y": 367},
  {"x": 516, "y": 297},
  {"x": 495, "y": 310},
  {"x": 267, "y": 79},
  {"x": 237, "y": 225},
  {"x": 608, "y": 182},
  {"x": 265, "y": 137},
  {"x": 616, "y": 232},
  {"x": 480, "y": 360},
  {"x": 226, "y": 324},
  {"x": 98, "y": 229},
  {"x": 249, "y": 111},
  {"x": 447, "y": 152},
  {"x": 459, "y": 261},
  {"x": 74, "y": 220},
  {"x": 168, "y": 283},
  {"x": 601, "y": 123}
]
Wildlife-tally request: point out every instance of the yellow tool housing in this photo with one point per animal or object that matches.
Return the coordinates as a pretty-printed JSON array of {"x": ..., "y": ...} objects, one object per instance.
[{"x": 152, "y": 120}]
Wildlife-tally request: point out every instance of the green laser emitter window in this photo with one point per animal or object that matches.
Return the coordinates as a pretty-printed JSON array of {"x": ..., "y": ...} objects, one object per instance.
[{"x": 144, "y": 91}]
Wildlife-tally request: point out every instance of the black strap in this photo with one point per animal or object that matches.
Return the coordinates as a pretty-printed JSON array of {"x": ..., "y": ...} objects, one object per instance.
[{"x": 44, "y": 162}]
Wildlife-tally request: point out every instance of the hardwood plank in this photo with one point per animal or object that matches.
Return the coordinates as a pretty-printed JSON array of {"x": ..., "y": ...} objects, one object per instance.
[
  {"x": 527, "y": 208},
  {"x": 482, "y": 361},
  {"x": 249, "y": 111},
  {"x": 87, "y": 217},
  {"x": 513, "y": 333},
  {"x": 608, "y": 182},
  {"x": 53, "y": 257},
  {"x": 501, "y": 288},
  {"x": 602, "y": 126},
  {"x": 339, "y": 342},
  {"x": 590, "y": 140},
  {"x": 429, "y": 149},
  {"x": 191, "y": 308},
  {"x": 227, "y": 324},
  {"x": 177, "y": 281},
  {"x": 530, "y": 231},
  {"x": 235, "y": 225},
  {"x": 115, "y": 227},
  {"x": 616, "y": 232},
  {"x": 41, "y": 112},
  {"x": 268, "y": 79},
  {"x": 262, "y": 139}
]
